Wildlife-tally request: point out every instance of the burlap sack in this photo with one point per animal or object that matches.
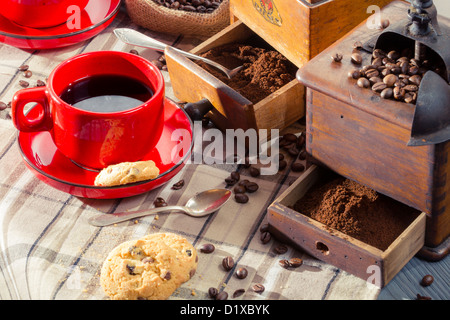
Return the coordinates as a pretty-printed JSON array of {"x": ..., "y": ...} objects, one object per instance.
[{"x": 153, "y": 16}]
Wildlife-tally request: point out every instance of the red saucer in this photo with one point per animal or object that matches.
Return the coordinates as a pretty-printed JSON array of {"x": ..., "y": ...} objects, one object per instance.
[
  {"x": 48, "y": 164},
  {"x": 94, "y": 18}
]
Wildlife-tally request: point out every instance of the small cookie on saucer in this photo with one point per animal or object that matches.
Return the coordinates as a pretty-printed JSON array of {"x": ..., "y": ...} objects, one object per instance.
[
  {"x": 126, "y": 172},
  {"x": 151, "y": 268}
]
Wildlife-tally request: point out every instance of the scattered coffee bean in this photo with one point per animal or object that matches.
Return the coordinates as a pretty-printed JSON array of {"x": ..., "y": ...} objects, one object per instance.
[
  {"x": 295, "y": 262},
  {"x": 24, "y": 67},
  {"x": 241, "y": 198},
  {"x": 378, "y": 87},
  {"x": 207, "y": 248},
  {"x": 281, "y": 249},
  {"x": 134, "y": 51},
  {"x": 264, "y": 228},
  {"x": 387, "y": 93},
  {"x": 235, "y": 175},
  {"x": 354, "y": 74},
  {"x": 159, "y": 202},
  {"x": 223, "y": 295},
  {"x": 337, "y": 57},
  {"x": 282, "y": 165},
  {"x": 238, "y": 293},
  {"x": 427, "y": 280},
  {"x": 24, "y": 84},
  {"x": 297, "y": 167},
  {"x": 258, "y": 288},
  {"x": 228, "y": 263},
  {"x": 372, "y": 73},
  {"x": 363, "y": 83},
  {"x": 178, "y": 185},
  {"x": 357, "y": 45},
  {"x": 356, "y": 58},
  {"x": 284, "y": 263},
  {"x": 265, "y": 237},
  {"x": 40, "y": 83},
  {"x": 27, "y": 74},
  {"x": 230, "y": 181},
  {"x": 241, "y": 273},
  {"x": 251, "y": 187},
  {"x": 243, "y": 182},
  {"x": 158, "y": 64},
  {"x": 420, "y": 297},
  {"x": 212, "y": 292},
  {"x": 3, "y": 106},
  {"x": 254, "y": 172},
  {"x": 303, "y": 155},
  {"x": 416, "y": 79},
  {"x": 390, "y": 80},
  {"x": 239, "y": 189}
]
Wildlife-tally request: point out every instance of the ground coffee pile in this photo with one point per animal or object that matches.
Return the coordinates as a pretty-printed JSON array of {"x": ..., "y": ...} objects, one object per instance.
[
  {"x": 357, "y": 211},
  {"x": 265, "y": 71}
]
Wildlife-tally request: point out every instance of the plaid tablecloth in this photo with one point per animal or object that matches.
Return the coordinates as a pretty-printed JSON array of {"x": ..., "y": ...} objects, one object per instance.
[{"x": 49, "y": 251}]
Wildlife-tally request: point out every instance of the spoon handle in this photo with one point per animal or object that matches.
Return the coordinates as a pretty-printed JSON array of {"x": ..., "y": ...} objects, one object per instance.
[
  {"x": 133, "y": 37},
  {"x": 111, "y": 218}
]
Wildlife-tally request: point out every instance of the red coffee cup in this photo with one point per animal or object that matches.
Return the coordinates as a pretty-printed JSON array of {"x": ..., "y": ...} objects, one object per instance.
[
  {"x": 41, "y": 13},
  {"x": 96, "y": 139}
]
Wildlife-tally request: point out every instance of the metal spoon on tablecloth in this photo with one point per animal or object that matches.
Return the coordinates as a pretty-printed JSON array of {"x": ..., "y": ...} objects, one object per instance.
[{"x": 200, "y": 205}]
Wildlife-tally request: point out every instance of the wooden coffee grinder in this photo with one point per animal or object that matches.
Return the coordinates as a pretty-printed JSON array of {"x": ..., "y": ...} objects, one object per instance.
[{"x": 399, "y": 149}]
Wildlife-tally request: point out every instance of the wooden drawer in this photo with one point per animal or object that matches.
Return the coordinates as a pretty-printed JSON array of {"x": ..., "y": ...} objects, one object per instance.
[
  {"x": 337, "y": 248},
  {"x": 191, "y": 83}
]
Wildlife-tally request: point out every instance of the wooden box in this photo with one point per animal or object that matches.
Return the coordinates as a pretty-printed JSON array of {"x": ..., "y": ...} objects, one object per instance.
[
  {"x": 191, "y": 83},
  {"x": 300, "y": 29},
  {"x": 361, "y": 136},
  {"x": 320, "y": 241}
]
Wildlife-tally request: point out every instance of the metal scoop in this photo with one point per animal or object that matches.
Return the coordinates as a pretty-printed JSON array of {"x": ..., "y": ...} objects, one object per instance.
[
  {"x": 135, "y": 38},
  {"x": 200, "y": 205}
]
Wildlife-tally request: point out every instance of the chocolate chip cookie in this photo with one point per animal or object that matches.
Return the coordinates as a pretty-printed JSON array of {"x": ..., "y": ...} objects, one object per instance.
[{"x": 152, "y": 267}]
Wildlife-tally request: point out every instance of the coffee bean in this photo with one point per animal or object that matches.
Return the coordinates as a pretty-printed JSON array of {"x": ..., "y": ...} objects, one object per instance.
[
  {"x": 390, "y": 80},
  {"x": 27, "y": 74},
  {"x": 251, "y": 187},
  {"x": 265, "y": 237},
  {"x": 420, "y": 297},
  {"x": 295, "y": 262},
  {"x": 238, "y": 293},
  {"x": 377, "y": 62},
  {"x": 159, "y": 202},
  {"x": 212, "y": 292},
  {"x": 378, "y": 53},
  {"x": 281, "y": 249},
  {"x": 356, "y": 58},
  {"x": 303, "y": 155},
  {"x": 178, "y": 185},
  {"x": 40, "y": 83},
  {"x": 293, "y": 151},
  {"x": 3, "y": 106},
  {"x": 235, "y": 175},
  {"x": 282, "y": 165},
  {"x": 264, "y": 228},
  {"x": 354, "y": 74},
  {"x": 372, "y": 73},
  {"x": 207, "y": 248},
  {"x": 230, "y": 181},
  {"x": 24, "y": 84},
  {"x": 24, "y": 67},
  {"x": 228, "y": 263},
  {"x": 258, "y": 288},
  {"x": 363, "y": 83},
  {"x": 222, "y": 296},
  {"x": 357, "y": 45},
  {"x": 387, "y": 93},
  {"x": 399, "y": 93},
  {"x": 393, "y": 55},
  {"x": 134, "y": 51},
  {"x": 239, "y": 189},
  {"x": 384, "y": 23},
  {"x": 284, "y": 263},
  {"x": 241, "y": 198},
  {"x": 411, "y": 87},
  {"x": 254, "y": 172},
  {"x": 374, "y": 80},
  {"x": 427, "y": 280},
  {"x": 379, "y": 86},
  {"x": 337, "y": 57},
  {"x": 416, "y": 79},
  {"x": 158, "y": 64},
  {"x": 297, "y": 167},
  {"x": 409, "y": 97},
  {"x": 241, "y": 273},
  {"x": 243, "y": 182}
]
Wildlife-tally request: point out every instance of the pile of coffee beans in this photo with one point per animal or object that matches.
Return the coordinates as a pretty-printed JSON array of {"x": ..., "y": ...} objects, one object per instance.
[
  {"x": 199, "y": 6},
  {"x": 392, "y": 75}
]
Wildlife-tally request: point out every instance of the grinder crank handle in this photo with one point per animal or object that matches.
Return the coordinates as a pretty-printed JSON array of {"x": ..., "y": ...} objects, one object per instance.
[{"x": 197, "y": 110}]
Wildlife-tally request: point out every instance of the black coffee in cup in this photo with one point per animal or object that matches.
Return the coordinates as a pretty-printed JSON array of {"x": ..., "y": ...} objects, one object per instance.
[{"x": 106, "y": 93}]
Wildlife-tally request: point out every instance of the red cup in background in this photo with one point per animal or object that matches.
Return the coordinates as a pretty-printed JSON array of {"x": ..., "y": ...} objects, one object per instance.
[
  {"x": 40, "y": 13},
  {"x": 96, "y": 139}
]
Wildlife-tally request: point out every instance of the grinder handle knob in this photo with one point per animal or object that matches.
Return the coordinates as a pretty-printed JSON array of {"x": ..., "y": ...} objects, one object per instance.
[{"x": 197, "y": 110}]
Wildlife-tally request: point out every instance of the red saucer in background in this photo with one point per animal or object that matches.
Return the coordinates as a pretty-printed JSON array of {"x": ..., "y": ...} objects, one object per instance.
[{"x": 97, "y": 15}]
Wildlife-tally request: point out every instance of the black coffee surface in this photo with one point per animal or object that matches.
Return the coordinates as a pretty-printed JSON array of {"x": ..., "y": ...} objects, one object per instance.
[{"x": 106, "y": 93}]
